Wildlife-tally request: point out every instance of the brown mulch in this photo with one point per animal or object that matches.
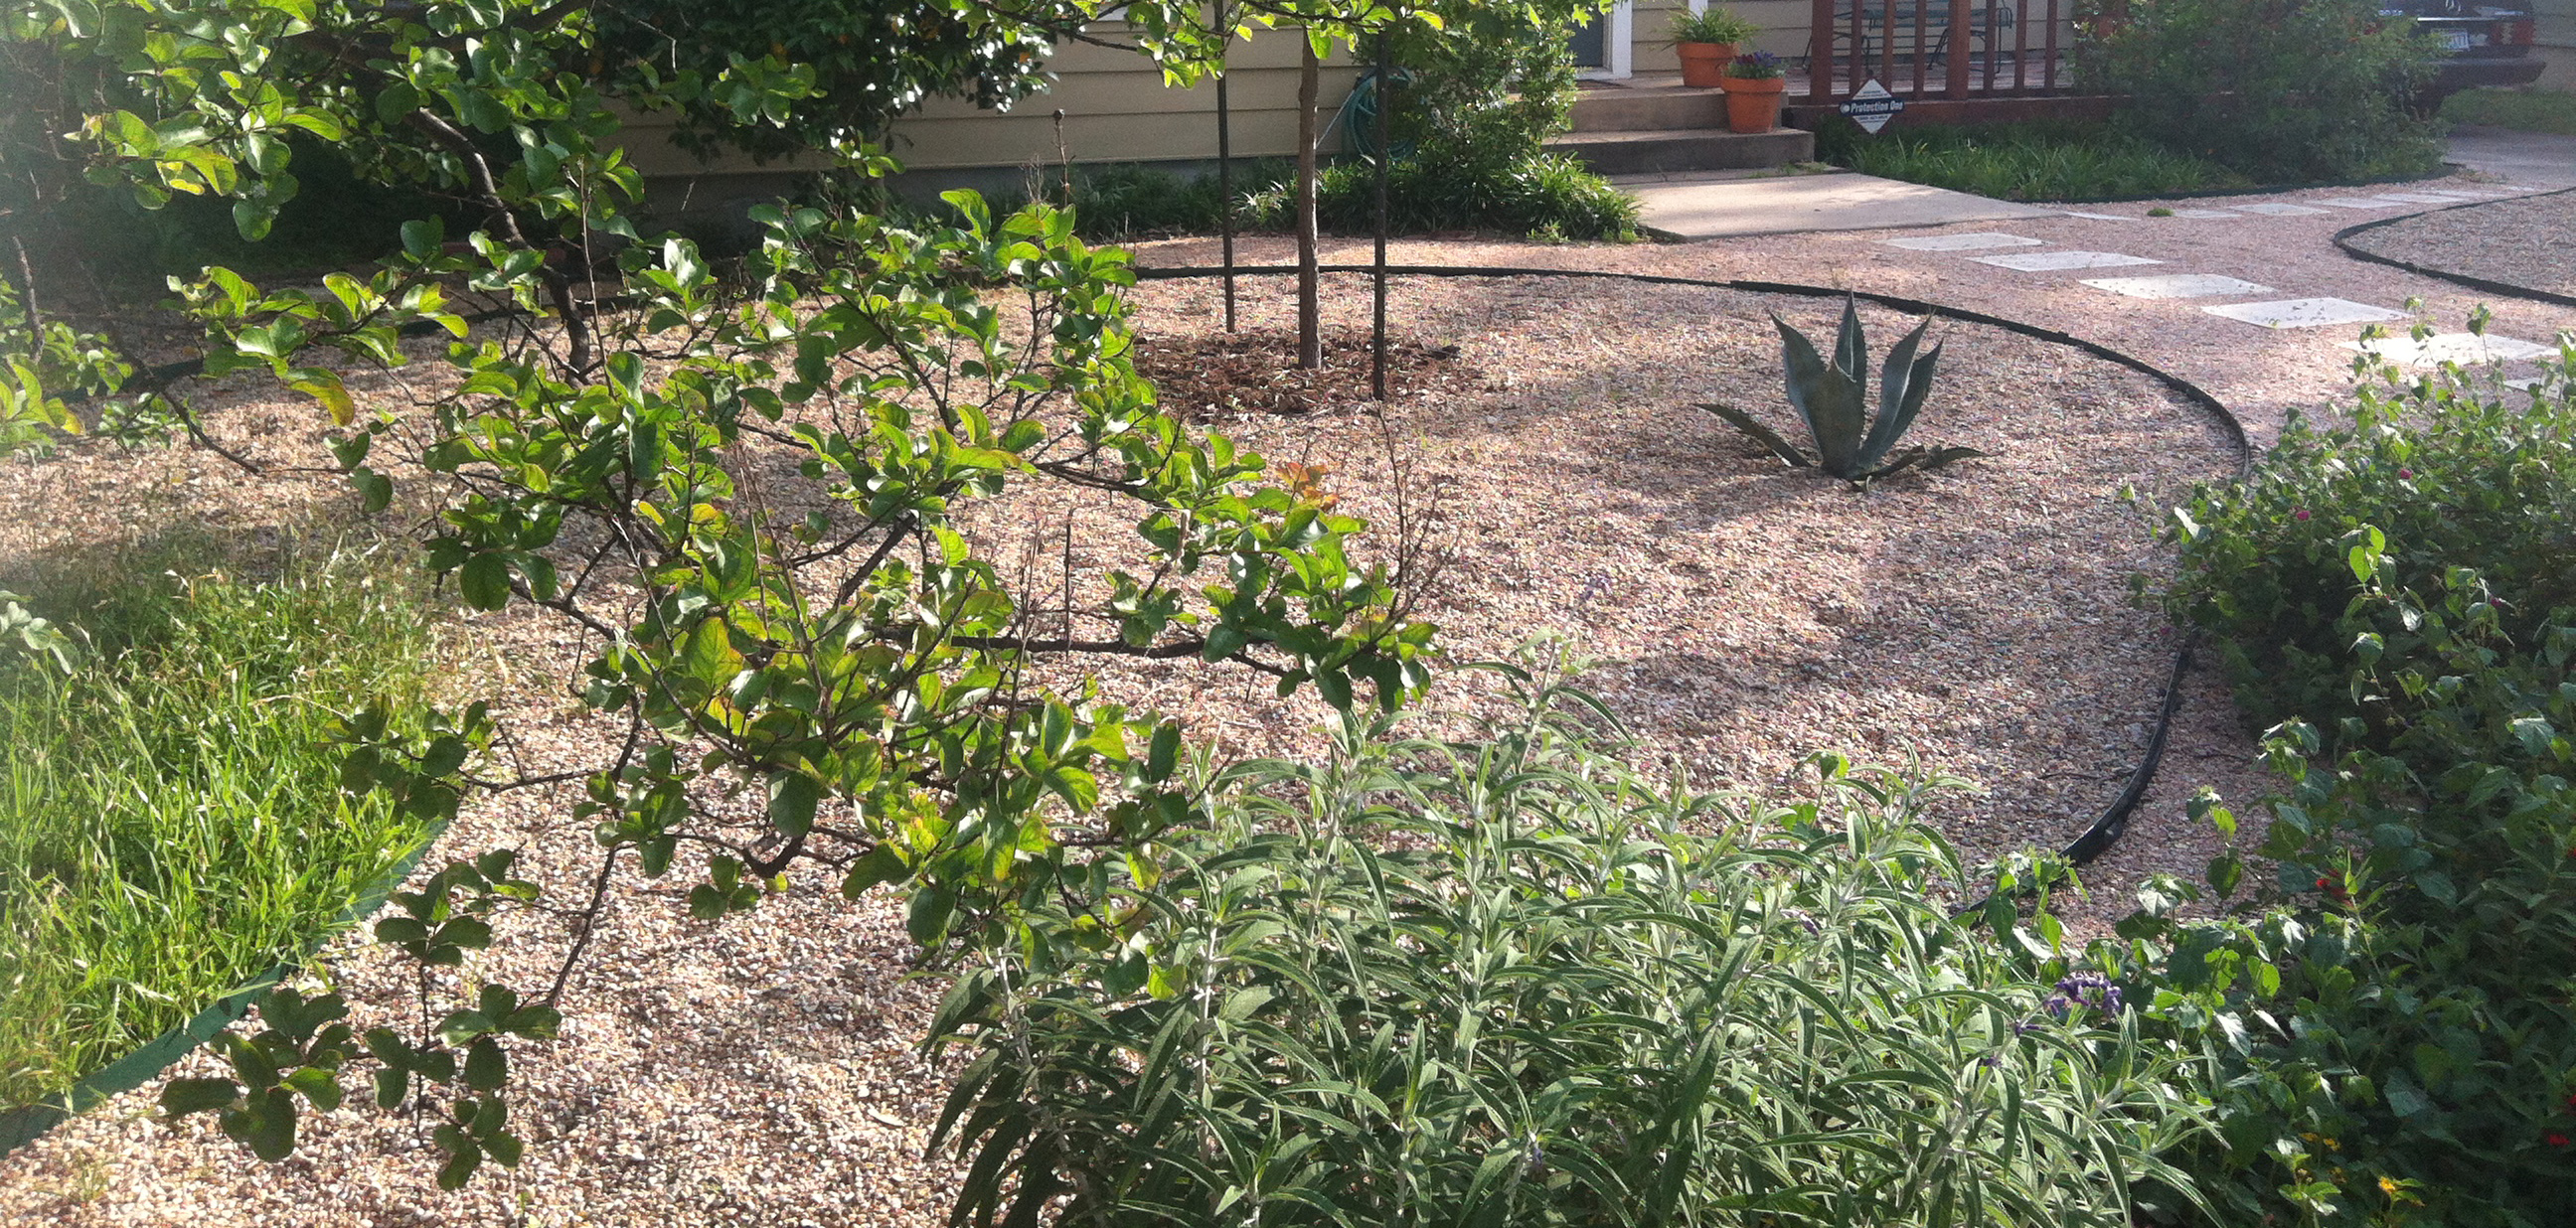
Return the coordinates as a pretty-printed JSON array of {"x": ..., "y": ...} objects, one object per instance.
[{"x": 1204, "y": 377}]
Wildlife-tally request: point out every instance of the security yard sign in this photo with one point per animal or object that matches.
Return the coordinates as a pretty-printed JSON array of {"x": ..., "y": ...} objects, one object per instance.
[{"x": 1872, "y": 106}]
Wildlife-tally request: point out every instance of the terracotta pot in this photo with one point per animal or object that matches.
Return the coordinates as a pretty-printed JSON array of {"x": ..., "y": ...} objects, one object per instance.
[
  {"x": 1753, "y": 103},
  {"x": 1704, "y": 64}
]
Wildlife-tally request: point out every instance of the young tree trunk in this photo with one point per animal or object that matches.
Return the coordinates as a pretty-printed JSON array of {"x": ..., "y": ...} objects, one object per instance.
[{"x": 1310, "y": 321}]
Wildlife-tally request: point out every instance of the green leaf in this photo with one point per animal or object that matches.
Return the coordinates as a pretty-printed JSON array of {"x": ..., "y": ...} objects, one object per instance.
[
  {"x": 392, "y": 1085},
  {"x": 462, "y": 1026},
  {"x": 268, "y": 1125},
  {"x": 487, "y": 1068},
  {"x": 180, "y": 1097},
  {"x": 485, "y": 581},
  {"x": 460, "y": 1166},
  {"x": 793, "y": 798},
  {"x": 881, "y": 865},
  {"x": 927, "y": 917}
]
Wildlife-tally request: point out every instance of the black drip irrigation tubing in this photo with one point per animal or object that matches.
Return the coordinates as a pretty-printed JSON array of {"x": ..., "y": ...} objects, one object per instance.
[
  {"x": 2105, "y": 830},
  {"x": 2343, "y": 237},
  {"x": 24, "y": 1124}
]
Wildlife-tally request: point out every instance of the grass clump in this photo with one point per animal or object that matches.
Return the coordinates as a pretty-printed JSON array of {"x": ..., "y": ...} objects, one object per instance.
[
  {"x": 2523, "y": 110},
  {"x": 171, "y": 819},
  {"x": 2040, "y": 160}
]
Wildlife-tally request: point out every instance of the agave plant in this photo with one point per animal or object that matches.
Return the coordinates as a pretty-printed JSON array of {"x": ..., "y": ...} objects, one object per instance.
[{"x": 1834, "y": 397}]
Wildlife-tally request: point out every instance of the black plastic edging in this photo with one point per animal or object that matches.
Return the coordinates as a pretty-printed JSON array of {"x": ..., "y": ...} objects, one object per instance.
[
  {"x": 2105, "y": 830},
  {"x": 2342, "y": 240},
  {"x": 26, "y": 1123}
]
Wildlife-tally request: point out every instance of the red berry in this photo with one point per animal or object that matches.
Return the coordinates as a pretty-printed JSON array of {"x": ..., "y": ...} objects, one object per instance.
[{"x": 2556, "y": 1139}]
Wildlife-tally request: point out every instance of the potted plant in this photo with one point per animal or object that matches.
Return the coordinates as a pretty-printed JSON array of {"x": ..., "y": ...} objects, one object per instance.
[
  {"x": 1754, "y": 83},
  {"x": 1706, "y": 41}
]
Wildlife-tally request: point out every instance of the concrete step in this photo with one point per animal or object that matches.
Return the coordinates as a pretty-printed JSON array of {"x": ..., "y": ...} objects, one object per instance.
[
  {"x": 1649, "y": 109},
  {"x": 1685, "y": 149}
]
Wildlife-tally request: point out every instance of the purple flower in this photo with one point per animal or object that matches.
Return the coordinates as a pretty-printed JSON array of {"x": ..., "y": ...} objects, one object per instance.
[{"x": 2088, "y": 991}]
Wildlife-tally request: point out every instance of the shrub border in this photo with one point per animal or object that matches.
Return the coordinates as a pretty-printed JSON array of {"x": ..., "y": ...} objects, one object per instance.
[
  {"x": 26, "y": 1123},
  {"x": 2105, "y": 830},
  {"x": 2342, "y": 241}
]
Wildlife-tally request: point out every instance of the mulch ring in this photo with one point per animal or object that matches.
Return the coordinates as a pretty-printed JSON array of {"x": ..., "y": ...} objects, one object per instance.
[{"x": 1201, "y": 378}]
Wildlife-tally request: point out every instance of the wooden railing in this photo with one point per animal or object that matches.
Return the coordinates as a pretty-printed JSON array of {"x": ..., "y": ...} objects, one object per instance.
[{"x": 1940, "y": 48}]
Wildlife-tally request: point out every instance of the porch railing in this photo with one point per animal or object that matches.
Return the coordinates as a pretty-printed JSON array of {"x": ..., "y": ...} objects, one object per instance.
[{"x": 1940, "y": 48}]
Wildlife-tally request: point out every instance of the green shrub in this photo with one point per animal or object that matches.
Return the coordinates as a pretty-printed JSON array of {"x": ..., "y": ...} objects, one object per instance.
[
  {"x": 1547, "y": 194},
  {"x": 171, "y": 818},
  {"x": 2056, "y": 160},
  {"x": 2524, "y": 110},
  {"x": 2391, "y": 1028},
  {"x": 2452, "y": 473},
  {"x": 1507, "y": 982},
  {"x": 1714, "y": 24},
  {"x": 2283, "y": 90},
  {"x": 1489, "y": 87},
  {"x": 1475, "y": 103}
]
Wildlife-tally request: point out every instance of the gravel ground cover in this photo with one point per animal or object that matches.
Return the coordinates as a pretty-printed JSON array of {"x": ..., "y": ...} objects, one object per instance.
[
  {"x": 2520, "y": 242},
  {"x": 2261, "y": 374},
  {"x": 761, "y": 1071}
]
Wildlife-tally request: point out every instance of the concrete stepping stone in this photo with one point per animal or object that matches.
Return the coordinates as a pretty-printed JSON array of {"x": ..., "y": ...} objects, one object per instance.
[
  {"x": 2463, "y": 348},
  {"x": 2277, "y": 209},
  {"x": 2361, "y": 202},
  {"x": 2205, "y": 213},
  {"x": 2179, "y": 285},
  {"x": 2459, "y": 193},
  {"x": 2306, "y": 313},
  {"x": 2420, "y": 198},
  {"x": 2102, "y": 217},
  {"x": 1978, "y": 242},
  {"x": 2051, "y": 262}
]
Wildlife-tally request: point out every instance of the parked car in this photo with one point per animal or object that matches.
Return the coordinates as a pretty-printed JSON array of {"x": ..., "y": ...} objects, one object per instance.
[{"x": 2484, "y": 44}]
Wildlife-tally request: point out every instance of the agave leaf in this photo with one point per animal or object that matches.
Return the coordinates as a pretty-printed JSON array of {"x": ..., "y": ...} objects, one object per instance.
[
  {"x": 1921, "y": 460},
  {"x": 1829, "y": 400},
  {"x": 1761, "y": 434},
  {"x": 1901, "y": 382},
  {"x": 1851, "y": 352},
  {"x": 1943, "y": 456},
  {"x": 1918, "y": 385}
]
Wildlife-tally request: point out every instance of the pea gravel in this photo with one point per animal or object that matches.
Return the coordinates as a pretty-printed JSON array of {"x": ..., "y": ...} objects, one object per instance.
[
  {"x": 1977, "y": 621},
  {"x": 2520, "y": 242}
]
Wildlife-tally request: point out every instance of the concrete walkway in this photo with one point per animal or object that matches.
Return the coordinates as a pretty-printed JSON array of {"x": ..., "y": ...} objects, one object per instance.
[
  {"x": 1726, "y": 204},
  {"x": 2535, "y": 158}
]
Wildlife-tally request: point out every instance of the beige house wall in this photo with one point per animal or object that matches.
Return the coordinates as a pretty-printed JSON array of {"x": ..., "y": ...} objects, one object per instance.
[{"x": 1116, "y": 109}]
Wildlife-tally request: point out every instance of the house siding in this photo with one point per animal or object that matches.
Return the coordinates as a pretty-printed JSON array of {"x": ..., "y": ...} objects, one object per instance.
[{"x": 1115, "y": 105}]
